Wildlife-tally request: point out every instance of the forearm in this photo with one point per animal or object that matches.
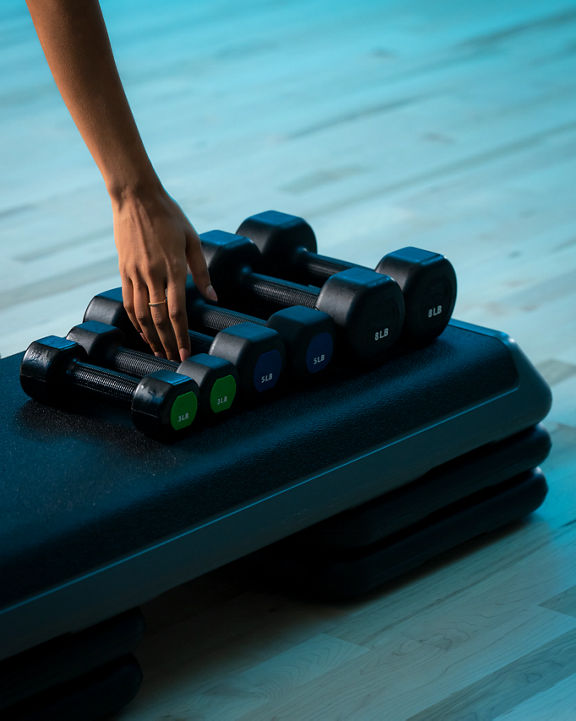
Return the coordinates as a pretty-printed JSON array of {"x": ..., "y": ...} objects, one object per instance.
[
  {"x": 75, "y": 41},
  {"x": 155, "y": 240}
]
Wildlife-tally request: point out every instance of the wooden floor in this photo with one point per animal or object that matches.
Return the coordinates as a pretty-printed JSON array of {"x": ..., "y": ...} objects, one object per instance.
[{"x": 450, "y": 126}]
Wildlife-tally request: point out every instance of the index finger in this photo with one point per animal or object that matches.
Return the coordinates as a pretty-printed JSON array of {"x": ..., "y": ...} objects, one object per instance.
[
  {"x": 176, "y": 298},
  {"x": 198, "y": 266}
]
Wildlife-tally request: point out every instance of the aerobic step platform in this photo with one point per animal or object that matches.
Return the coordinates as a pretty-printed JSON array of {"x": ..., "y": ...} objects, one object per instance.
[
  {"x": 96, "y": 519},
  {"x": 363, "y": 548}
]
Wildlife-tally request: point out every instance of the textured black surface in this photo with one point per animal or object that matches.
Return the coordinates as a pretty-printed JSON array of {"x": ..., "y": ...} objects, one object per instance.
[
  {"x": 280, "y": 294},
  {"x": 103, "y": 382},
  {"x": 140, "y": 364},
  {"x": 80, "y": 490}
]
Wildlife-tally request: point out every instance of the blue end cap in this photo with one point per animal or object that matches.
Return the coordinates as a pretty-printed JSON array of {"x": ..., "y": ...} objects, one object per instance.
[
  {"x": 319, "y": 352},
  {"x": 267, "y": 370}
]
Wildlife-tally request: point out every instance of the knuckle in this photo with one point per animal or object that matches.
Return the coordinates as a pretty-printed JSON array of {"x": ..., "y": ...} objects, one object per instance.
[
  {"x": 161, "y": 323},
  {"x": 176, "y": 315},
  {"x": 154, "y": 271},
  {"x": 139, "y": 287},
  {"x": 176, "y": 267}
]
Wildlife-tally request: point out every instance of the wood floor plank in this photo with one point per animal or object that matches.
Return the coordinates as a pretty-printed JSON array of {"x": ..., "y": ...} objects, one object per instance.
[
  {"x": 503, "y": 689},
  {"x": 565, "y": 602},
  {"x": 434, "y": 613},
  {"x": 556, "y": 703},
  {"x": 406, "y": 676},
  {"x": 480, "y": 578},
  {"x": 555, "y": 371}
]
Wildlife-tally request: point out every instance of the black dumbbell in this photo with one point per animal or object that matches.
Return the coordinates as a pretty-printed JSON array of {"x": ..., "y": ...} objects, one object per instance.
[
  {"x": 257, "y": 353},
  {"x": 107, "y": 307},
  {"x": 162, "y": 404},
  {"x": 215, "y": 377},
  {"x": 367, "y": 308},
  {"x": 308, "y": 334},
  {"x": 428, "y": 281}
]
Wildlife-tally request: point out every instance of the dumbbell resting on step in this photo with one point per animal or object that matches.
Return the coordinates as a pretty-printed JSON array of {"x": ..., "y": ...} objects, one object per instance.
[
  {"x": 367, "y": 308},
  {"x": 308, "y": 334},
  {"x": 163, "y": 404},
  {"x": 428, "y": 281},
  {"x": 257, "y": 353},
  {"x": 105, "y": 345}
]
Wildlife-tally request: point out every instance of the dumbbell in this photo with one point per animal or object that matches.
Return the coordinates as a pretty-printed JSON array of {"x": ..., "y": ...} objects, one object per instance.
[
  {"x": 257, "y": 353},
  {"x": 308, "y": 334},
  {"x": 367, "y": 308},
  {"x": 105, "y": 345},
  {"x": 162, "y": 404},
  {"x": 428, "y": 281}
]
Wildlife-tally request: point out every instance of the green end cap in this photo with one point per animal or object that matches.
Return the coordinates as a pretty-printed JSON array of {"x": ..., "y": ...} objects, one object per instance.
[
  {"x": 222, "y": 394},
  {"x": 183, "y": 411}
]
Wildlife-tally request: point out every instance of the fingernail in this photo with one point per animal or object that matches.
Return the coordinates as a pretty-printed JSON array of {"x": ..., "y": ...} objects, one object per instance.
[
  {"x": 211, "y": 293},
  {"x": 184, "y": 353},
  {"x": 157, "y": 354}
]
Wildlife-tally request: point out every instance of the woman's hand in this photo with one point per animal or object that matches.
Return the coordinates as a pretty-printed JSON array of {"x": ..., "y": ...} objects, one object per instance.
[
  {"x": 154, "y": 239},
  {"x": 156, "y": 244}
]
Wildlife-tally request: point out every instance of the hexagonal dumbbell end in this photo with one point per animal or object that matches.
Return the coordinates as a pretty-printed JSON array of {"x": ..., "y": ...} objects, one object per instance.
[
  {"x": 257, "y": 352},
  {"x": 308, "y": 335},
  {"x": 428, "y": 282},
  {"x": 226, "y": 255},
  {"x": 44, "y": 367},
  {"x": 107, "y": 307},
  {"x": 368, "y": 308},
  {"x": 280, "y": 238},
  {"x": 217, "y": 381},
  {"x": 164, "y": 404},
  {"x": 99, "y": 340}
]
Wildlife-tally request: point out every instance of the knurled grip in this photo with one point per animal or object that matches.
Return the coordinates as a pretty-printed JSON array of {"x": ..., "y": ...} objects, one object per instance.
[
  {"x": 140, "y": 364},
  {"x": 217, "y": 319},
  {"x": 318, "y": 268},
  {"x": 280, "y": 294},
  {"x": 103, "y": 382}
]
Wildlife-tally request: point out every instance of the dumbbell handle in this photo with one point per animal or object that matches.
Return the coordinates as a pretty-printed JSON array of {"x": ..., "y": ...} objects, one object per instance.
[
  {"x": 138, "y": 363},
  {"x": 279, "y": 293},
  {"x": 104, "y": 382},
  {"x": 217, "y": 319},
  {"x": 316, "y": 269}
]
